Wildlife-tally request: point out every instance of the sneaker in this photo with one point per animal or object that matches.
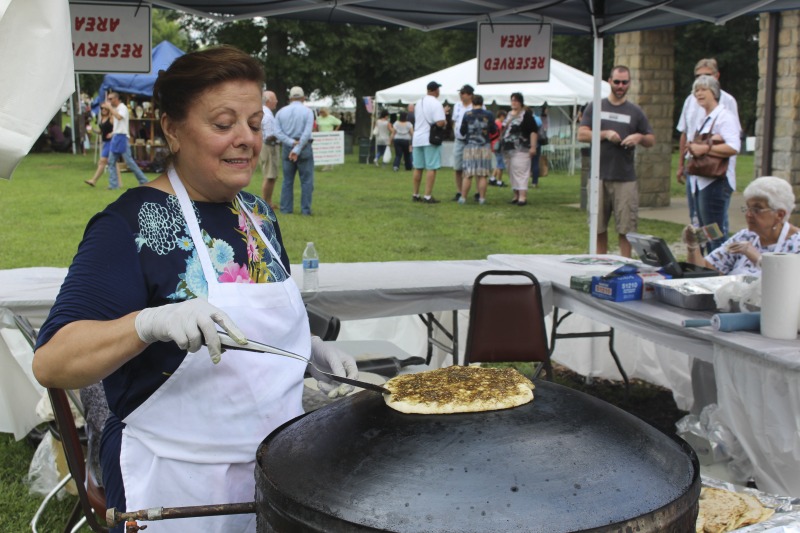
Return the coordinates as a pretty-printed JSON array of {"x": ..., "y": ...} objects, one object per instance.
[
  {"x": 481, "y": 201},
  {"x": 395, "y": 168},
  {"x": 461, "y": 201},
  {"x": 514, "y": 201},
  {"x": 493, "y": 181},
  {"x": 477, "y": 196},
  {"x": 456, "y": 197},
  {"x": 416, "y": 198},
  {"x": 500, "y": 184},
  {"x": 430, "y": 200}
]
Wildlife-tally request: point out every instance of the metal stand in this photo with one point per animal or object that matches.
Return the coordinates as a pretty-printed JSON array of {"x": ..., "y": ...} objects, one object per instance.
[
  {"x": 554, "y": 335},
  {"x": 430, "y": 321}
]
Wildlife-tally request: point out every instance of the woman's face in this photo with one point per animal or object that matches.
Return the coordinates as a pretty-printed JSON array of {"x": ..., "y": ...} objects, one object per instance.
[
  {"x": 516, "y": 105},
  {"x": 760, "y": 217},
  {"x": 216, "y": 147},
  {"x": 705, "y": 97}
]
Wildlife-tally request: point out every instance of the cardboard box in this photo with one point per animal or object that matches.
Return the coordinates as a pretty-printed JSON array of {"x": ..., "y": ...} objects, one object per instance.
[
  {"x": 624, "y": 284},
  {"x": 581, "y": 283}
]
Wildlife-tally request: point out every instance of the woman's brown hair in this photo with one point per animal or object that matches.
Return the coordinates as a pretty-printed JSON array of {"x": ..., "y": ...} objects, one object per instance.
[{"x": 192, "y": 74}]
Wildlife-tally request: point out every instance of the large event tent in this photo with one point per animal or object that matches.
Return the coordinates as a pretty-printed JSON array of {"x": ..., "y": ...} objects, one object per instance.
[{"x": 567, "y": 89}]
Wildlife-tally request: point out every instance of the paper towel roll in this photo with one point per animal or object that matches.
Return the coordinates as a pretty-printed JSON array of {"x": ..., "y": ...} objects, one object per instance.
[
  {"x": 736, "y": 321},
  {"x": 780, "y": 295}
]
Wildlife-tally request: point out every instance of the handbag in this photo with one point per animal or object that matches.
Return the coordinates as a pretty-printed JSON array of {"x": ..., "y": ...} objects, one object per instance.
[
  {"x": 544, "y": 167},
  {"x": 707, "y": 166},
  {"x": 437, "y": 133}
]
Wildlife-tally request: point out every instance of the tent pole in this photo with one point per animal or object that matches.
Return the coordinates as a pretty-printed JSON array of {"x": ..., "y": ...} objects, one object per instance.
[
  {"x": 594, "y": 176},
  {"x": 573, "y": 141},
  {"x": 72, "y": 107}
]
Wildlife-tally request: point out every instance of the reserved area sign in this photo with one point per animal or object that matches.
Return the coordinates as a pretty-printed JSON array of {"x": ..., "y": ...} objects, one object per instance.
[
  {"x": 510, "y": 53},
  {"x": 110, "y": 37}
]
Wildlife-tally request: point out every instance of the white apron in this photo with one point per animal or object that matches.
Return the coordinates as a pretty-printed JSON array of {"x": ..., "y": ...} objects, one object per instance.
[{"x": 194, "y": 441}]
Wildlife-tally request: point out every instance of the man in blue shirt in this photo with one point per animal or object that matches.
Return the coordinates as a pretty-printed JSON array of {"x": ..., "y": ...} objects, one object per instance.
[{"x": 293, "y": 125}]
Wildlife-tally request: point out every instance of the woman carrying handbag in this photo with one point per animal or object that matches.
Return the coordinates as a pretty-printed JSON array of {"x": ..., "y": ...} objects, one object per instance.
[{"x": 717, "y": 138}]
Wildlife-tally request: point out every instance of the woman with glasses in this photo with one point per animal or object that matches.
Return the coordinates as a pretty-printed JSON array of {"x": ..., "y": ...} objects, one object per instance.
[
  {"x": 712, "y": 196},
  {"x": 769, "y": 202}
]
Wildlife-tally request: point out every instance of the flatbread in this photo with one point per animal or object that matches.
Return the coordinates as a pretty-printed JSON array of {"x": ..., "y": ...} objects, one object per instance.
[
  {"x": 458, "y": 389},
  {"x": 722, "y": 510}
]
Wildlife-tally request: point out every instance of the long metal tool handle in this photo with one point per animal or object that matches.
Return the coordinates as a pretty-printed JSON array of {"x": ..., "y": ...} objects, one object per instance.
[{"x": 114, "y": 517}]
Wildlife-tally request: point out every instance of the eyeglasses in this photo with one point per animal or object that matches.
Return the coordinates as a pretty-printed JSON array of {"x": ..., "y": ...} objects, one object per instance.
[
  {"x": 620, "y": 82},
  {"x": 756, "y": 210}
]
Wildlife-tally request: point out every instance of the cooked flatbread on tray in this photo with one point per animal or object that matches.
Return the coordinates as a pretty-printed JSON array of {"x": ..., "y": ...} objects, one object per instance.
[
  {"x": 723, "y": 510},
  {"x": 458, "y": 389}
]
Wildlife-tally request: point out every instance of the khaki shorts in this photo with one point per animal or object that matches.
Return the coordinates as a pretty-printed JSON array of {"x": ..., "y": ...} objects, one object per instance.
[
  {"x": 269, "y": 159},
  {"x": 622, "y": 199}
]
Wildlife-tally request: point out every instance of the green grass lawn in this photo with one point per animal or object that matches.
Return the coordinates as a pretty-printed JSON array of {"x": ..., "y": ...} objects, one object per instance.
[{"x": 361, "y": 213}]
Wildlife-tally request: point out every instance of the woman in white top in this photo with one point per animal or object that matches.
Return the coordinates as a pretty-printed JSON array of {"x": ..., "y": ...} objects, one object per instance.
[
  {"x": 712, "y": 196},
  {"x": 402, "y": 133},
  {"x": 383, "y": 134}
]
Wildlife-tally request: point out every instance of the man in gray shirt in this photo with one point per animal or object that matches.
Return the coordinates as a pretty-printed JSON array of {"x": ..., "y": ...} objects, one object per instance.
[{"x": 623, "y": 126}]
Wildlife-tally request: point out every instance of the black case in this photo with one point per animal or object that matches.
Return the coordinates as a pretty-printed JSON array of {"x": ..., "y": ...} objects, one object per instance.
[{"x": 654, "y": 251}]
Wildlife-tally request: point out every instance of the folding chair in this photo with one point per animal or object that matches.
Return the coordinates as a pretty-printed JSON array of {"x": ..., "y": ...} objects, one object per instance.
[
  {"x": 91, "y": 498},
  {"x": 506, "y": 321}
]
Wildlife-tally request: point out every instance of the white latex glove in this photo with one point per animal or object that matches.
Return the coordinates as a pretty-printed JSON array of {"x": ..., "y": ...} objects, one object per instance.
[
  {"x": 187, "y": 323},
  {"x": 334, "y": 361}
]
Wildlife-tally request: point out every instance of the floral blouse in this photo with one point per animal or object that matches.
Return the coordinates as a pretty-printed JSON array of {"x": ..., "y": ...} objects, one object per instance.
[
  {"x": 137, "y": 253},
  {"x": 730, "y": 263}
]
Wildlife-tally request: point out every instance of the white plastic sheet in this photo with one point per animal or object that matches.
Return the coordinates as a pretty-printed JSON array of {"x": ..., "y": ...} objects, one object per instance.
[{"x": 36, "y": 73}]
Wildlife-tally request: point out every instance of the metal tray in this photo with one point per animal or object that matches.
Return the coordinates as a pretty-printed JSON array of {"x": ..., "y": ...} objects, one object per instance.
[{"x": 691, "y": 293}]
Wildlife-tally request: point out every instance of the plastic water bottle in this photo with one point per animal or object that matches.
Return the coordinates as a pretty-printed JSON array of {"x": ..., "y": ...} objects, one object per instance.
[{"x": 310, "y": 268}]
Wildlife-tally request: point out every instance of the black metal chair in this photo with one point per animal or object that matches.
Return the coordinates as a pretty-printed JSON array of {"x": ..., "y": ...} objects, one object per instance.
[
  {"x": 91, "y": 497},
  {"x": 323, "y": 325},
  {"x": 506, "y": 321}
]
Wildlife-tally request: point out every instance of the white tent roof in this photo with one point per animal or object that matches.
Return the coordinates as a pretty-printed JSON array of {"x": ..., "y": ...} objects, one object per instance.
[{"x": 567, "y": 86}]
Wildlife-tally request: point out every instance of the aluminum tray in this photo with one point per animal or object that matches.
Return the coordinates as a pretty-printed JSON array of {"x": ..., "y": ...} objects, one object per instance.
[{"x": 691, "y": 293}]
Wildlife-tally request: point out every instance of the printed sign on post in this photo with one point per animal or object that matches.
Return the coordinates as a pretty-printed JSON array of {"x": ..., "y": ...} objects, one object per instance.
[
  {"x": 509, "y": 53},
  {"x": 328, "y": 147},
  {"x": 110, "y": 37}
]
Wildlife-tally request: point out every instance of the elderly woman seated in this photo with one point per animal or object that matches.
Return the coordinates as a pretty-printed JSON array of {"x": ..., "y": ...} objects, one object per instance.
[{"x": 770, "y": 201}]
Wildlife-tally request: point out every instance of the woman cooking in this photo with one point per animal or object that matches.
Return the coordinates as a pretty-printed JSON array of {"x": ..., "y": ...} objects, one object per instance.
[
  {"x": 518, "y": 143},
  {"x": 769, "y": 202},
  {"x": 157, "y": 273},
  {"x": 712, "y": 196}
]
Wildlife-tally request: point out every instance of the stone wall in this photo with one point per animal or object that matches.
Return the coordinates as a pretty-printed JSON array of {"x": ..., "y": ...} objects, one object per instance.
[
  {"x": 786, "y": 142},
  {"x": 650, "y": 57}
]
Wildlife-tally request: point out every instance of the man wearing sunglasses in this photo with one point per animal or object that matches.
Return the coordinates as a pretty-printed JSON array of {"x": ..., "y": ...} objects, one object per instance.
[
  {"x": 691, "y": 115},
  {"x": 623, "y": 126}
]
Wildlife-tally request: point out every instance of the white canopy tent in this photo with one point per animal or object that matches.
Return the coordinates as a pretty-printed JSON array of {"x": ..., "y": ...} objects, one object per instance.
[{"x": 567, "y": 89}]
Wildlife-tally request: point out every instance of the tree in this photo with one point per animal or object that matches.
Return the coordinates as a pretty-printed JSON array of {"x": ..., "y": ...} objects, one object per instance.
[
  {"x": 735, "y": 47},
  {"x": 335, "y": 59}
]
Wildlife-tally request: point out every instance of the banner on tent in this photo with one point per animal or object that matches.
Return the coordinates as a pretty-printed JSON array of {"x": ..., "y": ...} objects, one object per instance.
[
  {"x": 509, "y": 53},
  {"x": 110, "y": 37}
]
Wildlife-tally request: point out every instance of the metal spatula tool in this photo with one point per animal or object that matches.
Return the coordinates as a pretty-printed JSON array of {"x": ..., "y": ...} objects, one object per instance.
[{"x": 254, "y": 346}]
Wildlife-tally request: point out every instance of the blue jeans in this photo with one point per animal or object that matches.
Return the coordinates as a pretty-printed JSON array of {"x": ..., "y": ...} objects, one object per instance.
[
  {"x": 304, "y": 166},
  {"x": 690, "y": 202},
  {"x": 118, "y": 151},
  {"x": 711, "y": 205}
]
